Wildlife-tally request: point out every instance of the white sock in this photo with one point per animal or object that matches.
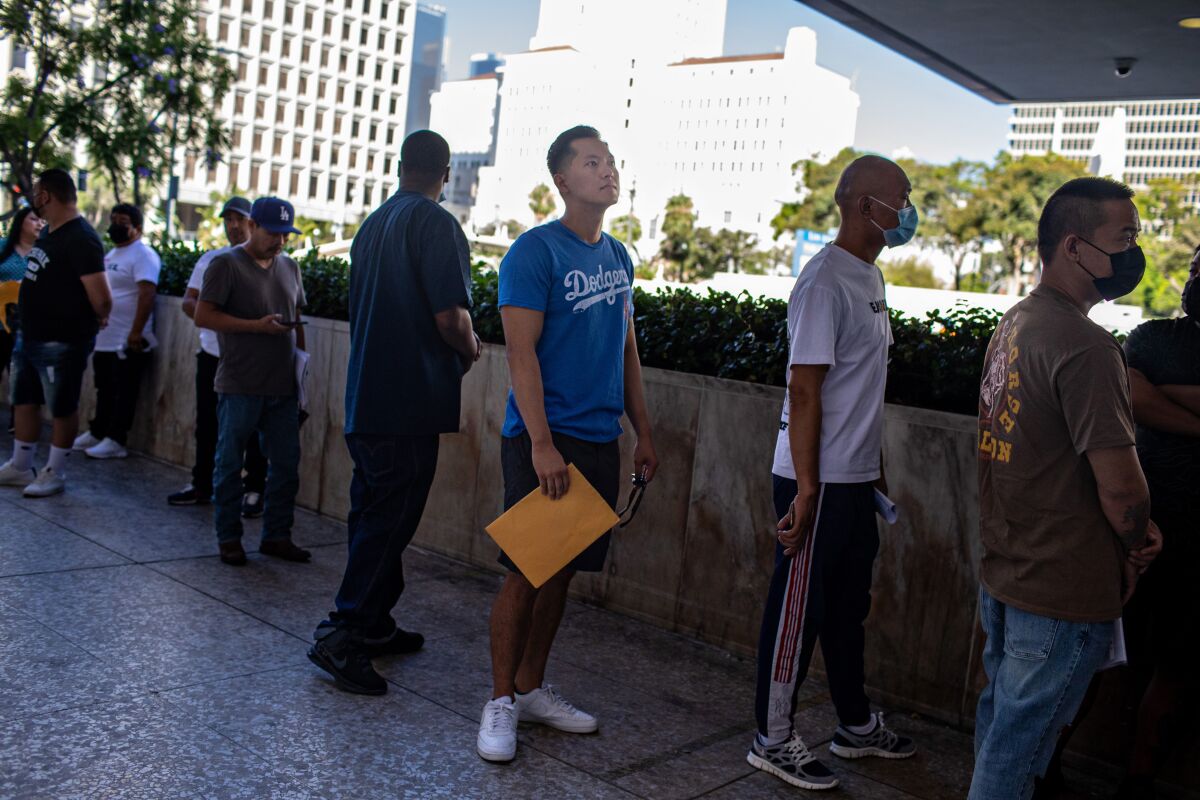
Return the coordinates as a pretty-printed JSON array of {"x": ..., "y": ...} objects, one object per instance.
[
  {"x": 23, "y": 454},
  {"x": 766, "y": 741},
  {"x": 508, "y": 700},
  {"x": 863, "y": 730},
  {"x": 58, "y": 459}
]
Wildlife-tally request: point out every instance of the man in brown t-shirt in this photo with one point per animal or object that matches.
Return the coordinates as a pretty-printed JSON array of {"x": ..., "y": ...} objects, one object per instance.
[
  {"x": 1064, "y": 510},
  {"x": 250, "y": 297}
]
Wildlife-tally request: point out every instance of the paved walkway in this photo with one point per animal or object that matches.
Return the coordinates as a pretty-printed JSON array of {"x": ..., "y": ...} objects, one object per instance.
[{"x": 135, "y": 665}]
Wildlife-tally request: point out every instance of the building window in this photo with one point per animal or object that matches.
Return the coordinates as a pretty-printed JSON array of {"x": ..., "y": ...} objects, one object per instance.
[
  {"x": 382, "y": 41},
  {"x": 257, "y": 142},
  {"x": 322, "y": 89},
  {"x": 345, "y": 31},
  {"x": 366, "y": 6},
  {"x": 357, "y": 97},
  {"x": 325, "y": 56},
  {"x": 295, "y": 184},
  {"x": 399, "y": 38},
  {"x": 269, "y": 8},
  {"x": 363, "y": 35},
  {"x": 395, "y": 76},
  {"x": 245, "y": 40},
  {"x": 308, "y": 20},
  {"x": 354, "y": 128},
  {"x": 400, "y": 20},
  {"x": 239, "y": 104},
  {"x": 302, "y": 89},
  {"x": 262, "y": 75},
  {"x": 328, "y": 28},
  {"x": 375, "y": 102},
  {"x": 392, "y": 105},
  {"x": 289, "y": 13},
  {"x": 241, "y": 71},
  {"x": 279, "y": 146},
  {"x": 312, "y": 185},
  {"x": 275, "y": 180},
  {"x": 222, "y": 35},
  {"x": 247, "y": 5},
  {"x": 331, "y": 192},
  {"x": 299, "y": 119},
  {"x": 379, "y": 71},
  {"x": 280, "y": 111},
  {"x": 283, "y": 80},
  {"x": 297, "y": 149},
  {"x": 260, "y": 108},
  {"x": 342, "y": 61},
  {"x": 350, "y": 191},
  {"x": 305, "y": 52},
  {"x": 254, "y": 177},
  {"x": 234, "y": 168},
  {"x": 341, "y": 93},
  {"x": 335, "y": 155},
  {"x": 236, "y": 139},
  {"x": 374, "y": 131},
  {"x": 319, "y": 122},
  {"x": 362, "y": 66}
]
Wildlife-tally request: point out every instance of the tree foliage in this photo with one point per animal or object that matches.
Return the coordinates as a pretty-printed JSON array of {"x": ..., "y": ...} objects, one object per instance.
[
  {"x": 541, "y": 202},
  {"x": 129, "y": 81},
  {"x": 627, "y": 228},
  {"x": 816, "y": 211},
  {"x": 910, "y": 271}
]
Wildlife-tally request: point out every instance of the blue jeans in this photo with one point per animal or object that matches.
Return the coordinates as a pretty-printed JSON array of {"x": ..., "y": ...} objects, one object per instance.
[
  {"x": 239, "y": 417},
  {"x": 1038, "y": 671}
]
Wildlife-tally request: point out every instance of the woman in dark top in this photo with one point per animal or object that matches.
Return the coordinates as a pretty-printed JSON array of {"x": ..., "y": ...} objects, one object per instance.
[{"x": 22, "y": 233}]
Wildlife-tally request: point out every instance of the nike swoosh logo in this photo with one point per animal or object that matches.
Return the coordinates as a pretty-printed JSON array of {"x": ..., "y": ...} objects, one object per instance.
[{"x": 340, "y": 663}]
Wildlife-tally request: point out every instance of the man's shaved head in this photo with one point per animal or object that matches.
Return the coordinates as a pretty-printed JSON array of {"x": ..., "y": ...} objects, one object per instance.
[{"x": 868, "y": 175}]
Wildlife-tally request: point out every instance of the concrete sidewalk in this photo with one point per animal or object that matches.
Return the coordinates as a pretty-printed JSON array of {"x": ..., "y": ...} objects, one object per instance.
[{"x": 136, "y": 665}]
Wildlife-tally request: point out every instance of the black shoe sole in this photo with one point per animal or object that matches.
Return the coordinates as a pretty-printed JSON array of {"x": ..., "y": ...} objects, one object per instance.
[
  {"x": 171, "y": 502},
  {"x": 339, "y": 681}
]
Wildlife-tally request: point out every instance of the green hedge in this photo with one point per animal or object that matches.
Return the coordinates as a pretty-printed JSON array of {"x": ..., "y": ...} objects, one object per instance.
[{"x": 935, "y": 363}]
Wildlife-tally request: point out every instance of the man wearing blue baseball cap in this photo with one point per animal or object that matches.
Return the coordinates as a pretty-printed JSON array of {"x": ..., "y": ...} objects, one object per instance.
[{"x": 250, "y": 297}]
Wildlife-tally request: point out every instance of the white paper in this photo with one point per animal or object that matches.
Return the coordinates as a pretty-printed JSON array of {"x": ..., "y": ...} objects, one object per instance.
[
  {"x": 301, "y": 364},
  {"x": 885, "y": 507},
  {"x": 1116, "y": 650}
]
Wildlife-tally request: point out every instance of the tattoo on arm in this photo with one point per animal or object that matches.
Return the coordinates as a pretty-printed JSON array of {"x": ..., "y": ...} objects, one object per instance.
[{"x": 1136, "y": 519}]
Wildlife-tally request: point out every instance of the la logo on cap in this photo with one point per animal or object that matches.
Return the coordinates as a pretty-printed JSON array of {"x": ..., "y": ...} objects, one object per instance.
[{"x": 283, "y": 215}]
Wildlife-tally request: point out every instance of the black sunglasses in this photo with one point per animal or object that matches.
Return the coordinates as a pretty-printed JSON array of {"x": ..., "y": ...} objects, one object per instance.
[{"x": 635, "y": 500}]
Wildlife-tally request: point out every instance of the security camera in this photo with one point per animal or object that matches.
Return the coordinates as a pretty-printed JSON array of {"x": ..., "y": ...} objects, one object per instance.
[{"x": 1124, "y": 66}]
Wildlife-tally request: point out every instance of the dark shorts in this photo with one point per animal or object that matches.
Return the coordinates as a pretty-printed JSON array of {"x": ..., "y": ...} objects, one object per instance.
[
  {"x": 599, "y": 462},
  {"x": 49, "y": 374}
]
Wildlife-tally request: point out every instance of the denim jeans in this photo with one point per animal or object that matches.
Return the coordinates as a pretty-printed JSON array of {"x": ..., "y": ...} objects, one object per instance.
[
  {"x": 49, "y": 374},
  {"x": 392, "y": 478},
  {"x": 1038, "y": 671},
  {"x": 240, "y": 416}
]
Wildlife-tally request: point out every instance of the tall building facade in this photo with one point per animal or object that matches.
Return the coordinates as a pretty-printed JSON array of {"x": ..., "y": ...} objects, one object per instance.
[
  {"x": 465, "y": 113},
  {"x": 1135, "y": 141},
  {"x": 679, "y": 115},
  {"x": 317, "y": 111},
  {"x": 484, "y": 64},
  {"x": 428, "y": 52}
]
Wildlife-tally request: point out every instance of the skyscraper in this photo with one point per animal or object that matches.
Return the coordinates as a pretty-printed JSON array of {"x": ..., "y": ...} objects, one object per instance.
[{"x": 429, "y": 41}]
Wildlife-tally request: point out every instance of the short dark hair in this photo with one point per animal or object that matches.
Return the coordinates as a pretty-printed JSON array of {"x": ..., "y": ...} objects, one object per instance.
[
  {"x": 59, "y": 184},
  {"x": 561, "y": 152},
  {"x": 424, "y": 154},
  {"x": 1076, "y": 208},
  {"x": 130, "y": 210}
]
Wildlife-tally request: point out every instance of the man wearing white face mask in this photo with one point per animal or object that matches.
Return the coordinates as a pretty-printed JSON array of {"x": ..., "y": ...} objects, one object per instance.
[{"x": 828, "y": 463}]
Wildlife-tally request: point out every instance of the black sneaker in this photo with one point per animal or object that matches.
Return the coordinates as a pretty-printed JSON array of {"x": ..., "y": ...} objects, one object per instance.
[
  {"x": 879, "y": 742},
  {"x": 348, "y": 663},
  {"x": 791, "y": 761},
  {"x": 398, "y": 644},
  {"x": 252, "y": 505},
  {"x": 188, "y": 496}
]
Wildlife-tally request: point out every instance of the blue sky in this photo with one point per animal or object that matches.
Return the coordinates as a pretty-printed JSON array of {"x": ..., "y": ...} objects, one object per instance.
[{"x": 903, "y": 104}]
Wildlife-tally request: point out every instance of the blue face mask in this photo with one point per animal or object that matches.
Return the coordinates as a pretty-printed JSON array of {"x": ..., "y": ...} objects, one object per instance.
[{"x": 904, "y": 231}]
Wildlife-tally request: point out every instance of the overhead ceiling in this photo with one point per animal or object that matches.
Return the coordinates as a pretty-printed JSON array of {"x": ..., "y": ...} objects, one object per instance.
[{"x": 1039, "y": 50}]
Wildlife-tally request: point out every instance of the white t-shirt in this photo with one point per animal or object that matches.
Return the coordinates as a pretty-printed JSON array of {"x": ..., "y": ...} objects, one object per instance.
[
  {"x": 126, "y": 267},
  {"x": 208, "y": 339},
  {"x": 837, "y": 315}
]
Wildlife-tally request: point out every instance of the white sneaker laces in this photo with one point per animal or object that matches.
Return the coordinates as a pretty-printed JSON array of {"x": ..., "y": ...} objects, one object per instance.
[
  {"x": 797, "y": 750},
  {"x": 558, "y": 701},
  {"x": 500, "y": 718}
]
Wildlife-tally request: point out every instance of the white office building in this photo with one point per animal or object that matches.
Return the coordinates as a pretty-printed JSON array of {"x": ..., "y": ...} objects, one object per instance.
[
  {"x": 317, "y": 112},
  {"x": 680, "y": 116},
  {"x": 1133, "y": 141},
  {"x": 464, "y": 112}
]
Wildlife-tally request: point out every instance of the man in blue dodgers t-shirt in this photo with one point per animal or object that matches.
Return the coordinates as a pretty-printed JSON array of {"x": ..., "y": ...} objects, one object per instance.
[
  {"x": 411, "y": 341},
  {"x": 566, "y": 304}
]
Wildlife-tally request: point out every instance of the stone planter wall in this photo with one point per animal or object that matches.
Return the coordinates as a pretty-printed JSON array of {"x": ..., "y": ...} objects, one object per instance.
[{"x": 699, "y": 554}]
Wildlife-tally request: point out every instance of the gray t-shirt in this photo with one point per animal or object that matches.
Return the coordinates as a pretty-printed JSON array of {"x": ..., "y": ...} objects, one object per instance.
[{"x": 254, "y": 363}]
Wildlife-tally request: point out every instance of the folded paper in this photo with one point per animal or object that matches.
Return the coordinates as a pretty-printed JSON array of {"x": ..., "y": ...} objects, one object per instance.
[{"x": 542, "y": 536}]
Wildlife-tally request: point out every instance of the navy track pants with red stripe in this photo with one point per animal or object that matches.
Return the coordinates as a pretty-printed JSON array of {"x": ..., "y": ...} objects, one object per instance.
[{"x": 822, "y": 592}]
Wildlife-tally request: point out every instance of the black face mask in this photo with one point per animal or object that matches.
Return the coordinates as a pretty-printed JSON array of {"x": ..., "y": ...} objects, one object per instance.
[
  {"x": 1128, "y": 267},
  {"x": 1191, "y": 299},
  {"x": 119, "y": 233}
]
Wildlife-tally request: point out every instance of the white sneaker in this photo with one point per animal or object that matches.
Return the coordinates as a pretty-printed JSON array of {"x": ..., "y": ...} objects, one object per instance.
[
  {"x": 85, "y": 440},
  {"x": 11, "y": 476},
  {"x": 545, "y": 706},
  {"x": 109, "y": 448},
  {"x": 498, "y": 731},
  {"x": 47, "y": 483}
]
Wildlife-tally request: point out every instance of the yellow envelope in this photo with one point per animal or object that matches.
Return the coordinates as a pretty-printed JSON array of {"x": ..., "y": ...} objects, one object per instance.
[
  {"x": 541, "y": 535},
  {"x": 9, "y": 293}
]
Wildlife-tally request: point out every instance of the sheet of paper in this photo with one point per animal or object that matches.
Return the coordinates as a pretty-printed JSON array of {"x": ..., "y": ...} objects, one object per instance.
[
  {"x": 1116, "y": 651},
  {"x": 301, "y": 364},
  {"x": 885, "y": 507},
  {"x": 541, "y": 535}
]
